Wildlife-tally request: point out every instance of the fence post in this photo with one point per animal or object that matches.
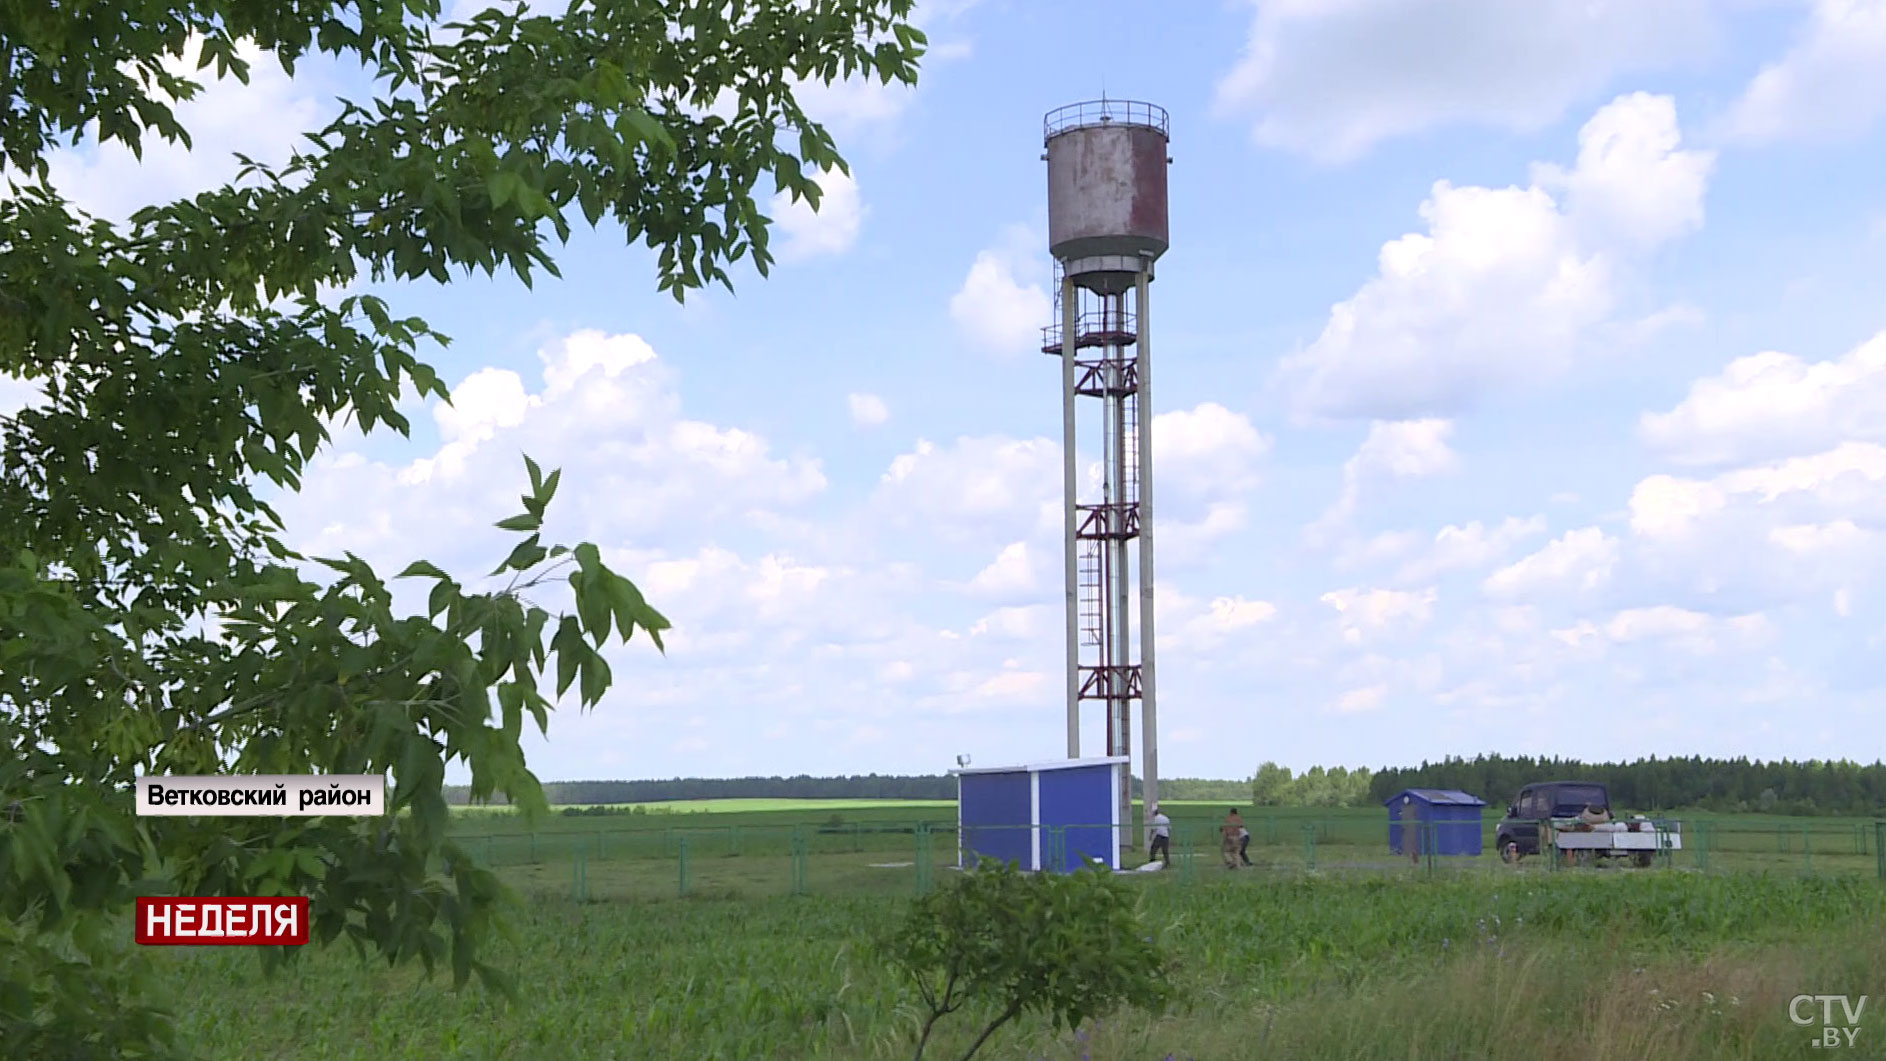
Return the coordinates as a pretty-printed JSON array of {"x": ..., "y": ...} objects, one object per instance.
[
  {"x": 684, "y": 863},
  {"x": 798, "y": 862},
  {"x": 1807, "y": 851},
  {"x": 1309, "y": 843},
  {"x": 1429, "y": 842},
  {"x": 533, "y": 847},
  {"x": 1188, "y": 865},
  {"x": 579, "y": 879},
  {"x": 1879, "y": 847},
  {"x": 923, "y": 858},
  {"x": 1054, "y": 860}
]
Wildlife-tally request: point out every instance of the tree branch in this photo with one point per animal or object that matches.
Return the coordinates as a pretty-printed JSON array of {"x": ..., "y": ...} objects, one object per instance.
[{"x": 1007, "y": 1015}]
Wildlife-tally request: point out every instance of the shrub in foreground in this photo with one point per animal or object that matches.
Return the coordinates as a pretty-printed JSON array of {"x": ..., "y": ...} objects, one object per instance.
[{"x": 1070, "y": 946}]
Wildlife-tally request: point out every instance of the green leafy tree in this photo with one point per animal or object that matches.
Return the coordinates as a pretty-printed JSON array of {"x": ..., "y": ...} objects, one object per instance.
[
  {"x": 153, "y": 618},
  {"x": 1068, "y": 946},
  {"x": 1271, "y": 787},
  {"x": 1312, "y": 789},
  {"x": 1356, "y": 789}
]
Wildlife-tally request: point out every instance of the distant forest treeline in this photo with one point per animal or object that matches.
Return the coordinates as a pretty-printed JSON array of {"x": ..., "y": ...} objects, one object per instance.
[{"x": 1727, "y": 785}]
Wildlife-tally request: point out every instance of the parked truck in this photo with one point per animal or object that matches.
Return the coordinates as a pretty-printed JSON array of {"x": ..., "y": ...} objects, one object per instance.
[{"x": 1547, "y": 815}]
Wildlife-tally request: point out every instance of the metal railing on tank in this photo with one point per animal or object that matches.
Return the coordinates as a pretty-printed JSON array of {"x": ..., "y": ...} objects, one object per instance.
[
  {"x": 1106, "y": 112},
  {"x": 1094, "y": 327}
]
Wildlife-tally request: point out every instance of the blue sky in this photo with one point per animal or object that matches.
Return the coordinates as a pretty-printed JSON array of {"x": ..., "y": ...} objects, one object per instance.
[{"x": 1521, "y": 387}]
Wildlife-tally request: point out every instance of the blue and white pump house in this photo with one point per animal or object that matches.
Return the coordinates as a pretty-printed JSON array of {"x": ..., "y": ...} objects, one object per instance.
[{"x": 1010, "y": 813}]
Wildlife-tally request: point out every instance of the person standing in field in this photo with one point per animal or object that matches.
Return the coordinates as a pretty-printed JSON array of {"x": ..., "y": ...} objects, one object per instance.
[
  {"x": 1233, "y": 826},
  {"x": 1162, "y": 836},
  {"x": 1244, "y": 845}
]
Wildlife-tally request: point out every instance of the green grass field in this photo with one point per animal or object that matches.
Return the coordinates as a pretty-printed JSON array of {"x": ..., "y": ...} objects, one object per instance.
[{"x": 1363, "y": 956}]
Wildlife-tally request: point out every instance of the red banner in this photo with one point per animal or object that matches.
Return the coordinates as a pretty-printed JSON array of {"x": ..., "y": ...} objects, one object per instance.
[{"x": 170, "y": 921}]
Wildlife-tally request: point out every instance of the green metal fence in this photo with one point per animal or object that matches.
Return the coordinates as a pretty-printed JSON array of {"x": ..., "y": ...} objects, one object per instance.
[{"x": 605, "y": 862}]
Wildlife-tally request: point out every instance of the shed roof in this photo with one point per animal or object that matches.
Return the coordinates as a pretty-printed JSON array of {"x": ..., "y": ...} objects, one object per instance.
[
  {"x": 1441, "y": 796},
  {"x": 1035, "y": 768}
]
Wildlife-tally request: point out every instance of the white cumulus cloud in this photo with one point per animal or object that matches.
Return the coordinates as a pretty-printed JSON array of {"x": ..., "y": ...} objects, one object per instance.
[
  {"x": 1407, "y": 449},
  {"x": 1014, "y": 571},
  {"x": 1331, "y": 78},
  {"x": 867, "y": 410},
  {"x": 1577, "y": 560},
  {"x": 1205, "y": 450},
  {"x": 1773, "y": 404},
  {"x": 830, "y": 229},
  {"x": 1003, "y": 302},
  {"x": 1830, "y": 84},
  {"x": 1366, "y": 612},
  {"x": 1507, "y": 285}
]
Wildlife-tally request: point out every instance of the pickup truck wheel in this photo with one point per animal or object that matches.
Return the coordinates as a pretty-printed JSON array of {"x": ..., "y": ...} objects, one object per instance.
[
  {"x": 1640, "y": 859},
  {"x": 1509, "y": 851}
]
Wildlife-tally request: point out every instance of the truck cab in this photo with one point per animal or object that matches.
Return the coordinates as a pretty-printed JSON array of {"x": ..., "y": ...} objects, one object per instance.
[{"x": 1518, "y": 833}]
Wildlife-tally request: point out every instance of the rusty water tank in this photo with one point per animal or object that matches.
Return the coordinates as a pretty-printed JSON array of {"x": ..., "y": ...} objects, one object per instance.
[{"x": 1106, "y": 188}]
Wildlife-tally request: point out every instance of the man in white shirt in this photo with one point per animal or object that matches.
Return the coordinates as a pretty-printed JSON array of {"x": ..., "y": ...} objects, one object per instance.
[{"x": 1162, "y": 836}]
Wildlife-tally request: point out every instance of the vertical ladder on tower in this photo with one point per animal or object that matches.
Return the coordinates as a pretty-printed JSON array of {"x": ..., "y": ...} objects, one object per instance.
[
  {"x": 1092, "y": 614},
  {"x": 1129, "y": 493}
]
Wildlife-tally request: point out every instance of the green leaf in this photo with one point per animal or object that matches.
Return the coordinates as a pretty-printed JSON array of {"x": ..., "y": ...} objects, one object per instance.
[
  {"x": 523, "y": 522},
  {"x": 593, "y": 605},
  {"x": 443, "y": 596},
  {"x": 570, "y": 649},
  {"x": 504, "y": 187},
  {"x": 526, "y": 555},
  {"x": 596, "y": 678},
  {"x": 422, "y": 568}
]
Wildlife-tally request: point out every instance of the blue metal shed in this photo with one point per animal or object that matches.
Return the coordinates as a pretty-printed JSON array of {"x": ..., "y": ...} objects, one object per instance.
[
  {"x": 1454, "y": 815},
  {"x": 1018, "y": 813}
]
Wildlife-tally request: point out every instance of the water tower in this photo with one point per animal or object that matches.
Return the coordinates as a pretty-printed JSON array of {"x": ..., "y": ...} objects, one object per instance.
[{"x": 1106, "y": 227}]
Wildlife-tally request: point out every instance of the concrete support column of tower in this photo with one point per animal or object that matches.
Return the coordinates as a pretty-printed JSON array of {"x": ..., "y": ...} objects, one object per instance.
[
  {"x": 1148, "y": 699},
  {"x": 1070, "y": 487}
]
